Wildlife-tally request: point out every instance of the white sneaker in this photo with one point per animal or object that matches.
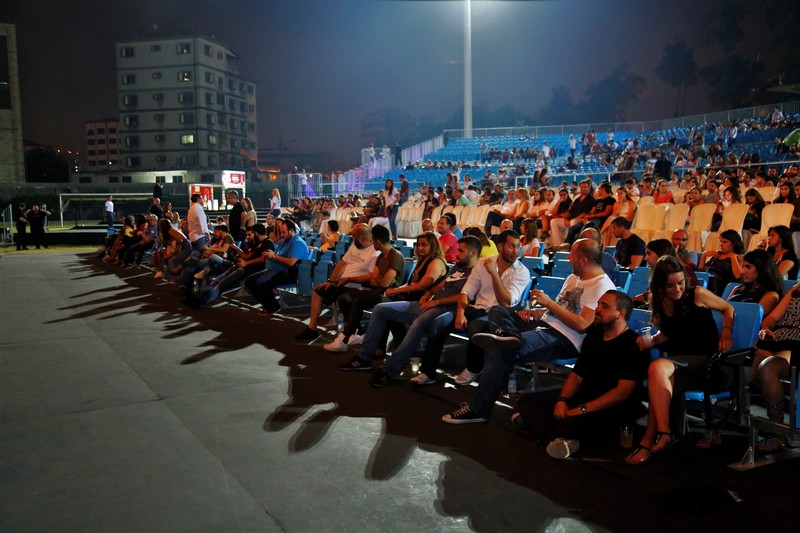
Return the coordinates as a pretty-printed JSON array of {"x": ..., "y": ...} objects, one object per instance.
[
  {"x": 422, "y": 379},
  {"x": 355, "y": 339},
  {"x": 465, "y": 377},
  {"x": 562, "y": 448},
  {"x": 337, "y": 344}
]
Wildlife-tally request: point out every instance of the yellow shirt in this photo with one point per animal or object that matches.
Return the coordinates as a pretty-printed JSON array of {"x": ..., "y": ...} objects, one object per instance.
[{"x": 489, "y": 251}]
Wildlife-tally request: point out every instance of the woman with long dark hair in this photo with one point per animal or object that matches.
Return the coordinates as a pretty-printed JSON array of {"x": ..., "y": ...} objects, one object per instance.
[
  {"x": 761, "y": 282},
  {"x": 687, "y": 331},
  {"x": 780, "y": 246},
  {"x": 726, "y": 262}
]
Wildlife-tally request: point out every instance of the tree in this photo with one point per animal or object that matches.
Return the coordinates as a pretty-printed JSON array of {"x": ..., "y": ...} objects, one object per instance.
[
  {"x": 609, "y": 98},
  {"x": 734, "y": 82},
  {"x": 560, "y": 109},
  {"x": 678, "y": 69}
]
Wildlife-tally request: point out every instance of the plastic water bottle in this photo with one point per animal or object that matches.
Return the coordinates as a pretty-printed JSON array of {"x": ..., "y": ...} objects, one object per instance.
[
  {"x": 512, "y": 383},
  {"x": 339, "y": 319}
]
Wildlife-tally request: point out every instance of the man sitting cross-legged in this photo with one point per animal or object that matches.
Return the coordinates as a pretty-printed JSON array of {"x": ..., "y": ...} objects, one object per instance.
[
  {"x": 537, "y": 335},
  {"x": 347, "y": 276},
  {"x": 601, "y": 394},
  {"x": 422, "y": 315}
]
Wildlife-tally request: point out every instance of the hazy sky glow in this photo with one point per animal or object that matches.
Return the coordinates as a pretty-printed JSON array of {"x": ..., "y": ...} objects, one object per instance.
[{"x": 321, "y": 66}]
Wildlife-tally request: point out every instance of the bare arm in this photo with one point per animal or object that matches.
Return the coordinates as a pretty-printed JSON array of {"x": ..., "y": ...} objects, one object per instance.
[
  {"x": 624, "y": 389},
  {"x": 705, "y": 298},
  {"x": 573, "y": 321}
]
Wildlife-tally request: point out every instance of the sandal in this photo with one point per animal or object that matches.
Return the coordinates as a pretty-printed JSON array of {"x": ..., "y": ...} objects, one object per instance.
[
  {"x": 709, "y": 440},
  {"x": 640, "y": 455},
  {"x": 776, "y": 412},
  {"x": 771, "y": 443},
  {"x": 672, "y": 440}
]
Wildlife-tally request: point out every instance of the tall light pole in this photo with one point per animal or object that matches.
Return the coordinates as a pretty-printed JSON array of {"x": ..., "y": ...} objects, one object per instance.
[{"x": 468, "y": 70}]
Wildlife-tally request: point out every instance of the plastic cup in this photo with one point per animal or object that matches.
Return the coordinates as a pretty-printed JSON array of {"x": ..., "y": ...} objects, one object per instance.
[
  {"x": 626, "y": 437},
  {"x": 646, "y": 335}
]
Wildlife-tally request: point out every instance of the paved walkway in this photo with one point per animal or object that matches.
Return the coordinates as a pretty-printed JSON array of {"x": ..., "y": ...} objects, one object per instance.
[{"x": 122, "y": 410}]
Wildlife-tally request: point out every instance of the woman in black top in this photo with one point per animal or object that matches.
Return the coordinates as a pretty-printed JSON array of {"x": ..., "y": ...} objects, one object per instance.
[
  {"x": 689, "y": 333},
  {"x": 780, "y": 246},
  {"x": 752, "y": 219},
  {"x": 761, "y": 282}
]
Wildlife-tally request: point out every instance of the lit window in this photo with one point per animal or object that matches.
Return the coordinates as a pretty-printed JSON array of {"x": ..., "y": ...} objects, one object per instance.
[
  {"x": 185, "y": 76},
  {"x": 212, "y": 139},
  {"x": 184, "y": 48},
  {"x": 187, "y": 139}
]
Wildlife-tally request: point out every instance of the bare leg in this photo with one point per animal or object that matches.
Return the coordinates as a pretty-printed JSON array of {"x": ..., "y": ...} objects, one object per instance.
[{"x": 770, "y": 372}]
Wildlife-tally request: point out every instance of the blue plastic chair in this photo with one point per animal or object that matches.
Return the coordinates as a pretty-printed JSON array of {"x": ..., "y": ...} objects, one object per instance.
[
  {"x": 729, "y": 289},
  {"x": 624, "y": 281},
  {"x": 533, "y": 263},
  {"x": 322, "y": 271},
  {"x": 550, "y": 285},
  {"x": 562, "y": 268}
]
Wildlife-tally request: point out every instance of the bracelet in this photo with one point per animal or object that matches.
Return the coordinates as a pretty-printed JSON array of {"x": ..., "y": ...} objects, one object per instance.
[{"x": 562, "y": 399}]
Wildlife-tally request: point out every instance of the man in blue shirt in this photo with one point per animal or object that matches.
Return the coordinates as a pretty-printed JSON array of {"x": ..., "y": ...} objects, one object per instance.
[{"x": 281, "y": 267}]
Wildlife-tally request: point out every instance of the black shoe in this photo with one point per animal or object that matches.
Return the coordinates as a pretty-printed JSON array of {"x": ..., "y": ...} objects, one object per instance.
[
  {"x": 379, "y": 378},
  {"x": 307, "y": 334},
  {"x": 356, "y": 364},
  {"x": 499, "y": 341}
]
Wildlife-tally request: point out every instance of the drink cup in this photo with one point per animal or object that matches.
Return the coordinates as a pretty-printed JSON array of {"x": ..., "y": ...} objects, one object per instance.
[{"x": 626, "y": 437}]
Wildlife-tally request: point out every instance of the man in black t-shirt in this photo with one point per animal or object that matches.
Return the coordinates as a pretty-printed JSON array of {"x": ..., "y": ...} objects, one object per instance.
[
  {"x": 631, "y": 248},
  {"x": 156, "y": 209},
  {"x": 36, "y": 218},
  {"x": 602, "y": 392},
  {"x": 603, "y": 207}
]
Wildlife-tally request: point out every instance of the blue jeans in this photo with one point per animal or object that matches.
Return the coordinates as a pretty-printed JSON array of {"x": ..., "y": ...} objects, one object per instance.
[
  {"x": 382, "y": 314},
  {"x": 199, "y": 243},
  {"x": 442, "y": 327},
  {"x": 541, "y": 343}
]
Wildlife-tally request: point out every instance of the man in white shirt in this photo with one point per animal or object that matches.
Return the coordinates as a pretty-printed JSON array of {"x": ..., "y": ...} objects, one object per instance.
[
  {"x": 557, "y": 331},
  {"x": 497, "y": 216},
  {"x": 109, "y": 214},
  {"x": 347, "y": 276},
  {"x": 496, "y": 281},
  {"x": 198, "y": 223}
]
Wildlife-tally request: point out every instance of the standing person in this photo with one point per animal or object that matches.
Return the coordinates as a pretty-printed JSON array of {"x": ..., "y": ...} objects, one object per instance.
[
  {"x": 249, "y": 216},
  {"x": 22, "y": 227},
  {"x": 391, "y": 196},
  {"x": 275, "y": 203},
  {"x": 398, "y": 155},
  {"x": 37, "y": 219},
  {"x": 108, "y": 209},
  {"x": 158, "y": 192},
  {"x": 235, "y": 217},
  {"x": 197, "y": 223}
]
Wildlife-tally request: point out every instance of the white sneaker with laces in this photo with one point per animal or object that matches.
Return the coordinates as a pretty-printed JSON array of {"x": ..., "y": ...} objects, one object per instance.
[
  {"x": 337, "y": 344},
  {"x": 465, "y": 377},
  {"x": 355, "y": 339},
  {"x": 422, "y": 379}
]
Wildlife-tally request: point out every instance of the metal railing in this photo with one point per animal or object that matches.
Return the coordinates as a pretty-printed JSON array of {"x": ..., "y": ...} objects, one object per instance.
[{"x": 6, "y": 225}]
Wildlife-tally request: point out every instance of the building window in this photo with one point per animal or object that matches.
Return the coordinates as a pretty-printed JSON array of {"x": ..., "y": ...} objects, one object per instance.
[
  {"x": 220, "y": 99},
  {"x": 231, "y": 84},
  {"x": 101, "y": 141},
  {"x": 251, "y": 108},
  {"x": 219, "y": 55},
  {"x": 131, "y": 120},
  {"x": 231, "y": 104},
  {"x": 101, "y": 131},
  {"x": 132, "y": 141},
  {"x": 177, "y": 179},
  {"x": 210, "y": 78},
  {"x": 184, "y": 48},
  {"x": 92, "y": 163},
  {"x": 234, "y": 124},
  {"x": 161, "y": 159},
  {"x": 101, "y": 152},
  {"x": 185, "y": 160},
  {"x": 112, "y": 151},
  {"x": 155, "y": 48},
  {"x": 158, "y": 97},
  {"x": 234, "y": 143},
  {"x": 156, "y": 75},
  {"x": 210, "y": 99},
  {"x": 185, "y": 75},
  {"x": 113, "y": 179},
  {"x": 112, "y": 130},
  {"x": 212, "y": 139},
  {"x": 159, "y": 138},
  {"x": 212, "y": 160},
  {"x": 129, "y": 100},
  {"x": 91, "y": 152},
  {"x": 187, "y": 139},
  {"x": 161, "y": 179},
  {"x": 251, "y": 89},
  {"x": 186, "y": 98},
  {"x": 112, "y": 141},
  {"x": 208, "y": 50},
  {"x": 241, "y": 86},
  {"x": 211, "y": 119},
  {"x": 158, "y": 117},
  {"x": 186, "y": 118},
  {"x": 86, "y": 179},
  {"x": 242, "y": 107},
  {"x": 128, "y": 79},
  {"x": 128, "y": 179},
  {"x": 90, "y": 142},
  {"x": 127, "y": 51},
  {"x": 90, "y": 132}
]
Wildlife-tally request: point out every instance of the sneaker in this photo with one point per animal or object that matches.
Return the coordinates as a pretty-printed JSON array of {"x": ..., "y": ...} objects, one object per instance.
[
  {"x": 380, "y": 378},
  {"x": 337, "y": 344},
  {"x": 499, "y": 341},
  {"x": 355, "y": 339},
  {"x": 422, "y": 379},
  {"x": 465, "y": 377},
  {"x": 356, "y": 363},
  {"x": 308, "y": 334},
  {"x": 709, "y": 440},
  {"x": 562, "y": 448},
  {"x": 464, "y": 415}
]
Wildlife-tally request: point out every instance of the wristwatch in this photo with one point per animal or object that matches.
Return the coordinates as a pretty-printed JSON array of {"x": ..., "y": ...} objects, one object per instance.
[{"x": 583, "y": 408}]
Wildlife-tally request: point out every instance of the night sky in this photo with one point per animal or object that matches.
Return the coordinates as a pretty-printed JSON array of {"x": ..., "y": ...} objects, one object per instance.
[{"x": 321, "y": 66}]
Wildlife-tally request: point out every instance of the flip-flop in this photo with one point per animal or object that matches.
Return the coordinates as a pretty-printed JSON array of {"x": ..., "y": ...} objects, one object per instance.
[
  {"x": 640, "y": 455},
  {"x": 672, "y": 440}
]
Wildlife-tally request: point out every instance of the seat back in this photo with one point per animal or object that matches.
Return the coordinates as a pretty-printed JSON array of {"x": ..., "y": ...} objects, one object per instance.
[
  {"x": 623, "y": 280},
  {"x": 562, "y": 268},
  {"x": 411, "y": 264},
  {"x": 533, "y": 263},
  {"x": 550, "y": 285},
  {"x": 746, "y": 324},
  {"x": 322, "y": 271},
  {"x": 729, "y": 289},
  {"x": 305, "y": 279},
  {"x": 772, "y": 215}
]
